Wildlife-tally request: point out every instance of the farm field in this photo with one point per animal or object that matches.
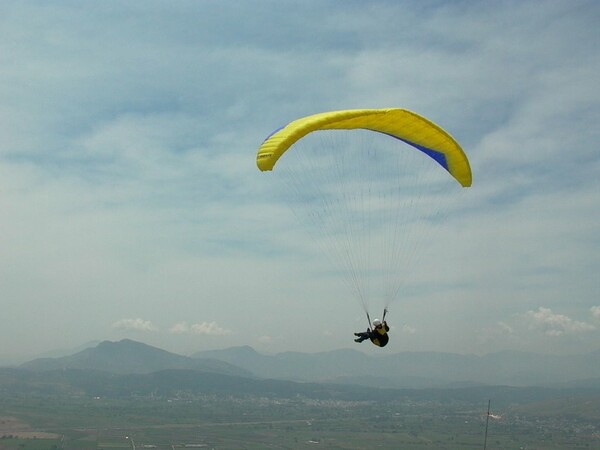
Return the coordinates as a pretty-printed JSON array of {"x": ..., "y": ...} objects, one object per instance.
[{"x": 213, "y": 422}]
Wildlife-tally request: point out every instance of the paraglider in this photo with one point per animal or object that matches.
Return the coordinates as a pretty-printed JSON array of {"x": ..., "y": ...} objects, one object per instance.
[
  {"x": 364, "y": 203},
  {"x": 377, "y": 335},
  {"x": 399, "y": 123}
]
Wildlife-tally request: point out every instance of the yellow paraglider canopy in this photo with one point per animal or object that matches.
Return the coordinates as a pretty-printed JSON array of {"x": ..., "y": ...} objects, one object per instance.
[{"x": 402, "y": 124}]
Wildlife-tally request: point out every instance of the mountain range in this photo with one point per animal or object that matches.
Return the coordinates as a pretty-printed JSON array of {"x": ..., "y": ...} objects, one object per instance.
[
  {"x": 400, "y": 370},
  {"x": 416, "y": 369},
  {"x": 128, "y": 356}
]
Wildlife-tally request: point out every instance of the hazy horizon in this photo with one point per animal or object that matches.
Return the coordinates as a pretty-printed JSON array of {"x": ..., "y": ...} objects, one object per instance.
[
  {"x": 62, "y": 352},
  {"x": 132, "y": 206}
]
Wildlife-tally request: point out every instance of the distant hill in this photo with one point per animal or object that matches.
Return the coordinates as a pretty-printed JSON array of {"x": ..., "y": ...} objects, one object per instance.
[
  {"x": 183, "y": 384},
  {"x": 67, "y": 352},
  {"x": 416, "y": 369},
  {"x": 132, "y": 370},
  {"x": 128, "y": 357}
]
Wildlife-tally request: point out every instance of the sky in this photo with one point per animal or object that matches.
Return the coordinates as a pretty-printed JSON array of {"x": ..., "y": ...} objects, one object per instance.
[{"x": 131, "y": 205}]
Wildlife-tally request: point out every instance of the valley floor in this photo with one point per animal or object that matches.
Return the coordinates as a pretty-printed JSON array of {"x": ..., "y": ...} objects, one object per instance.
[{"x": 260, "y": 423}]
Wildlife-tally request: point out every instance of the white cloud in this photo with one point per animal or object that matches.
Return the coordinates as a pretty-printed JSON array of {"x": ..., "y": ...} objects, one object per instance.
[
  {"x": 408, "y": 329},
  {"x": 505, "y": 328},
  {"x": 179, "y": 328},
  {"x": 497, "y": 335},
  {"x": 134, "y": 325},
  {"x": 206, "y": 328},
  {"x": 209, "y": 328},
  {"x": 265, "y": 339},
  {"x": 553, "y": 324},
  {"x": 595, "y": 310}
]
